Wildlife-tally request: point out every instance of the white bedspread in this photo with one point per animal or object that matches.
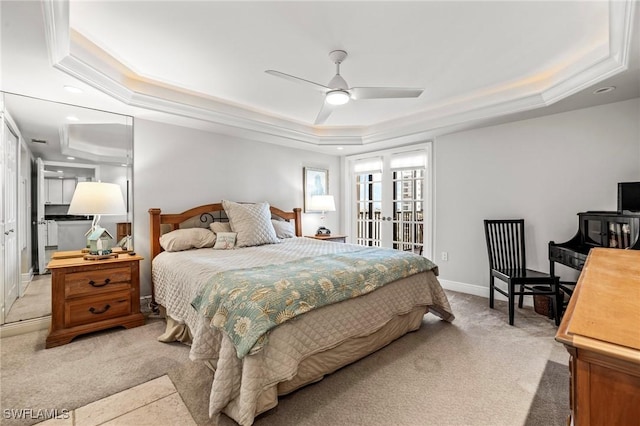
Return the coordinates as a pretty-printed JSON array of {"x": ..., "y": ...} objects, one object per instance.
[{"x": 238, "y": 383}]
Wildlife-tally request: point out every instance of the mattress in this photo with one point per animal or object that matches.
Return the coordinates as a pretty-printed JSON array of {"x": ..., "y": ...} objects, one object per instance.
[{"x": 244, "y": 387}]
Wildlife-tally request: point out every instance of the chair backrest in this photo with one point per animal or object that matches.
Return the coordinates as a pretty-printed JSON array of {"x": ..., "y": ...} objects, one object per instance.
[{"x": 505, "y": 243}]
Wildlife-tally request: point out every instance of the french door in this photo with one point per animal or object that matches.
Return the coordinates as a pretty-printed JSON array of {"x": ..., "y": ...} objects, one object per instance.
[{"x": 391, "y": 199}]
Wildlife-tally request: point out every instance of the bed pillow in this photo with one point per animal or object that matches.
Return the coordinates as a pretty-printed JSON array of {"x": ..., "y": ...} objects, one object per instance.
[
  {"x": 252, "y": 223},
  {"x": 225, "y": 241},
  {"x": 283, "y": 229},
  {"x": 185, "y": 239},
  {"x": 218, "y": 227}
]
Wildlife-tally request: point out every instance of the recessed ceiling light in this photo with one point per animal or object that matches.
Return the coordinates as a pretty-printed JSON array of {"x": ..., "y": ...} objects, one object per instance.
[
  {"x": 59, "y": 171},
  {"x": 123, "y": 165},
  {"x": 71, "y": 158},
  {"x": 72, "y": 118},
  {"x": 72, "y": 89},
  {"x": 340, "y": 148},
  {"x": 606, "y": 89}
]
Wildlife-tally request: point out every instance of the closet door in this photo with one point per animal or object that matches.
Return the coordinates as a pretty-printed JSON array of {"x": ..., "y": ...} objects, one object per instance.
[
  {"x": 11, "y": 264},
  {"x": 390, "y": 202}
]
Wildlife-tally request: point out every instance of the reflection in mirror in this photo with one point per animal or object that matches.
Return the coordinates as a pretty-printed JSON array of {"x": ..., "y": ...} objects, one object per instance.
[{"x": 61, "y": 145}]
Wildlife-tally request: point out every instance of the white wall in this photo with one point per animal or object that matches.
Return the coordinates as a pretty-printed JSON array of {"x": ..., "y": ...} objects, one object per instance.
[
  {"x": 176, "y": 168},
  {"x": 544, "y": 170}
]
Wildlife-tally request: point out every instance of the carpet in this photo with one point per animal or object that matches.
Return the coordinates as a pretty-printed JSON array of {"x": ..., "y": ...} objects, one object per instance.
[
  {"x": 90, "y": 368},
  {"x": 476, "y": 371},
  {"x": 550, "y": 405}
]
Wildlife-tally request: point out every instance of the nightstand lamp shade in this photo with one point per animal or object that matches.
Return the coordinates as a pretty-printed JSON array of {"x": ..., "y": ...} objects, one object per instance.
[
  {"x": 97, "y": 198},
  {"x": 324, "y": 203}
]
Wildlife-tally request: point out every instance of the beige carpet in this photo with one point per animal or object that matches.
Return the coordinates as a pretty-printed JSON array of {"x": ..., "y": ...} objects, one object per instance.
[
  {"x": 476, "y": 371},
  {"x": 91, "y": 367},
  {"x": 35, "y": 303}
]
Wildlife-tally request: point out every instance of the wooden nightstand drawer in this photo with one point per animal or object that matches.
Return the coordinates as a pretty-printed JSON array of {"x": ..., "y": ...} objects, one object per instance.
[
  {"x": 96, "y": 281},
  {"x": 89, "y": 310}
]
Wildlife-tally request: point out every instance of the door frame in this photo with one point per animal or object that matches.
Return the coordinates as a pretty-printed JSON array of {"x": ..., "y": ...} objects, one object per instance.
[{"x": 349, "y": 194}]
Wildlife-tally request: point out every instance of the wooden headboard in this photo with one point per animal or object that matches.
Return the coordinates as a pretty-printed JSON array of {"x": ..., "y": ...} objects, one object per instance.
[{"x": 205, "y": 213}]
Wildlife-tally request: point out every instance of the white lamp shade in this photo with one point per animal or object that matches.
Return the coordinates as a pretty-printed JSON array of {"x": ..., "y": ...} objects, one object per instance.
[
  {"x": 323, "y": 203},
  {"x": 97, "y": 198}
]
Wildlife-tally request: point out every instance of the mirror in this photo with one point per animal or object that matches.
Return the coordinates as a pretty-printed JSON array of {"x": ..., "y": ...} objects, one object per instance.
[{"x": 61, "y": 145}]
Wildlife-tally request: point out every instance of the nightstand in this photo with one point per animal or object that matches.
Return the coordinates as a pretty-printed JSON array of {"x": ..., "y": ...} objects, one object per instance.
[
  {"x": 92, "y": 295},
  {"x": 336, "y": 238}
]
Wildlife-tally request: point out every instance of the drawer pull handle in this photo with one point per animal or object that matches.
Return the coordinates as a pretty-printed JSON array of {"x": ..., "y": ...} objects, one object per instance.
[
  {"x": 94, "y": 311},
  {"x": 93, "y": 283}
]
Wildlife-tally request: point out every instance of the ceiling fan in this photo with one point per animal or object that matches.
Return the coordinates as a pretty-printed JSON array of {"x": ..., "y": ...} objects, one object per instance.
[{"x": 337, "y": 91}]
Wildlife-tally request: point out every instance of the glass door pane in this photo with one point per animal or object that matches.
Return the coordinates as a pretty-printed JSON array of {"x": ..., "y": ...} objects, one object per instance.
[
  {"x": 368, "y": 208},
  {"x": 408, "y": 210}
]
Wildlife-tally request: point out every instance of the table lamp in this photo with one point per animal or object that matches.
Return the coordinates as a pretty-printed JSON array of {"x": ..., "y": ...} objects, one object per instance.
[
  {"x": 97, "y": 199},
  {"x": 324, "y": 203}
]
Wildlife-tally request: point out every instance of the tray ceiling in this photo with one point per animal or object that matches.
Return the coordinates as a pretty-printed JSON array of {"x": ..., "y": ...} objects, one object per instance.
[{"x": 206, "y": 60}]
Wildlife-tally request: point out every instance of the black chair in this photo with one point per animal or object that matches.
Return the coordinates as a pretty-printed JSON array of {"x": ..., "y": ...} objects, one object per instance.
[{"x": 507, "y": 262}]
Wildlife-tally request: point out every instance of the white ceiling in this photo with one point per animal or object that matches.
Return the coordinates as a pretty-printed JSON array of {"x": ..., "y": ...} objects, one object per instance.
[{"x": 202, "y": 63}]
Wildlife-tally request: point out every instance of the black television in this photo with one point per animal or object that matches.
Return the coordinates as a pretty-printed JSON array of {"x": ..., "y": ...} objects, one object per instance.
[{"x": 628, "y": 197}]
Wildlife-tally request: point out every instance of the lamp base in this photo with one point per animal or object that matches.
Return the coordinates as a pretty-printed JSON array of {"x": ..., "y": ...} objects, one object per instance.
[{"x": 323, "y": 231}]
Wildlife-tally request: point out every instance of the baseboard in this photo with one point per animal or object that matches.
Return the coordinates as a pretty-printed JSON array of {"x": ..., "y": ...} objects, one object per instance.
[
  {"x": 474, "y": 289},
  {"x": 26, "y": 326},
  {"x": 25, "y": 279},
  {"x": 477, "y": 290}
]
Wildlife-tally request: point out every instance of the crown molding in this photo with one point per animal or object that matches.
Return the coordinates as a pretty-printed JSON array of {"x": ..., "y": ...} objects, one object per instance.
[{"x": 78, "y": 57}]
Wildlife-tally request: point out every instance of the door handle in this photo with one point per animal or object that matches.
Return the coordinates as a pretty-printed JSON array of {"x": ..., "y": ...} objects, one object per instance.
[{"x": 7, "y": 232}]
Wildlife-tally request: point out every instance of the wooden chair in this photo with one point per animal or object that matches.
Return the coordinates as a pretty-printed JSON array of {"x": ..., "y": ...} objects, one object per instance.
[{"x": 507, "y": 262}]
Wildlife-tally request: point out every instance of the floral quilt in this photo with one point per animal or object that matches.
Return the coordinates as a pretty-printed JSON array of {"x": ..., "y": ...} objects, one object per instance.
[{"x": 246, "y": 303}]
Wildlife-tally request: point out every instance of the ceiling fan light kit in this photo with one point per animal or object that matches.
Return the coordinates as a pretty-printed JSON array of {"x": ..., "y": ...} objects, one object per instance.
[
  {"x": 337, "y": 97},
  {"x": 338, "y": 92}
]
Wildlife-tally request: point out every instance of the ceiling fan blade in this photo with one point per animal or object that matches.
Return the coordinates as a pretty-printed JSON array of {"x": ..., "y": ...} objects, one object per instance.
[
  {"x": 384, "y": 92},
  {"x": 299, "y": 80},
  {"x": 324, "y": 113}
]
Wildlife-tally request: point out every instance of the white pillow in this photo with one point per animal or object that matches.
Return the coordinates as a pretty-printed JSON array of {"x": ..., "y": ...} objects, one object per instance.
[
  {"x": 218, "y": 227},
  {"x": 283, "y": 228},
  {"x": 252, "y": 223},
  {"x": 225, "y": 241},
  {"x": 185, "y": 239}
]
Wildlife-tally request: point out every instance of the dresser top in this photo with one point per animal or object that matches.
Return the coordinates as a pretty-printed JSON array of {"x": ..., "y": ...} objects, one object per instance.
[{"x": 604, "y": 311}]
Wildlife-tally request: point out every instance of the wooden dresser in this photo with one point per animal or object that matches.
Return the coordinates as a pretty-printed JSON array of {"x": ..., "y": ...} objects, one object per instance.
[
  {"x": 601, "y": 331},
  {"x": 91, "y": 295}
]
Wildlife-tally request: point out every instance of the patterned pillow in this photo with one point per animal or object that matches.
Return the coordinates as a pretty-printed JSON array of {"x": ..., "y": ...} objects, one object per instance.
[
  {"x": 185, "y": 239},
  {"x": 225, "y": 241},
  {"x": 252, "y": 223}
]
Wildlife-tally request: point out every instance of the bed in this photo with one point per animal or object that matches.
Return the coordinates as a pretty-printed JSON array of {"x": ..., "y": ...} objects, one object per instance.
[{"x": 304, "y": 338}]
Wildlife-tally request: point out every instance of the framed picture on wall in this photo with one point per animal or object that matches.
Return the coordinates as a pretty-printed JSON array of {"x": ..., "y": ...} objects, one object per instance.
[{"x": 316, "y": 182}]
